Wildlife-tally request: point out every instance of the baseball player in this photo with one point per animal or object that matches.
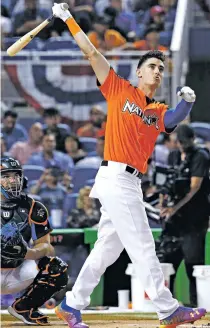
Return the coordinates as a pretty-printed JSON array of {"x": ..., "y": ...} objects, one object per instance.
[
  {"x": 32, "y": 271},
  {"x": 134, "y": 122}
]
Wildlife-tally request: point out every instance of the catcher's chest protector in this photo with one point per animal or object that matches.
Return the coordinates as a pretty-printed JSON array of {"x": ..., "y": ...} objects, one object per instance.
[{"x": 18, "y": 213}]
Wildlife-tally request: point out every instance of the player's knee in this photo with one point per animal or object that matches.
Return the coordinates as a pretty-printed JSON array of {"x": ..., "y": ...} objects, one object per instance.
[{"x": 56, "y": 269}]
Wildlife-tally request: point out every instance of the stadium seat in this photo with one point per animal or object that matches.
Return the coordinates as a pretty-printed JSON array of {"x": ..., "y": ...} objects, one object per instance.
[
  {"x": 81, "y": 175},
  {"x": 33, "y": 172},
  {"x": 88, "y": 144},
  {"x": 60, "y": 43},
  {"x": 69, "y": 204}
]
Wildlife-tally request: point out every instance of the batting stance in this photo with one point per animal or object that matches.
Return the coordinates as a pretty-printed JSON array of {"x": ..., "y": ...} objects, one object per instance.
[
  {"x": 34, "y": 269},
  {"x": 134, "y": 122}
]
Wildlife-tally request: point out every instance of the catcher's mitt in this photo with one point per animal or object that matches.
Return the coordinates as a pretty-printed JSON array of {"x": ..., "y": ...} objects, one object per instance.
[{"x": 13, "y": 245}]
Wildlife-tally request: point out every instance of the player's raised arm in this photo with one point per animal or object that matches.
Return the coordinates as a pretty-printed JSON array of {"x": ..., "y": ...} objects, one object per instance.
[{"x": 98, "y": 62}]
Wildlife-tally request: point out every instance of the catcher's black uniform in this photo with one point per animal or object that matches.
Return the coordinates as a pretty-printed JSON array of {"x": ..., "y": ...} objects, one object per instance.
[
  {"x": 21, "y": 217},
  {"x": 23, "y": 220}
]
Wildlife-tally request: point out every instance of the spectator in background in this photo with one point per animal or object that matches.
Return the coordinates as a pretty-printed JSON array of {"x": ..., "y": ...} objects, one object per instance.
[
  {"x": 157, "y": 17},
  {"x": 94, "y": 158},
  {"x": 82, "y": 12},
  {"x": 96, "y": 120},
  {"x": 163, "y": 12},
  {"x": 125, "y": 21},
  {"x": 49, "y": 157},
  {"x": 151, "y": 41},
  {"x": 73, "y": 148},
  {"x": 4, "y": 153},
  {"x": 103, "y": 38},
  {"x": 22, "y": 150},
  {"x": 87, "y": 214},
  {"x": 52, "y": 187},
  {"x": 11, "y": 130},
  {"x": 101, "y": 5},
  {"x": 169, "y": 7},
  {"x": 52, "y": 119},
  {"x": 6, "y": 25},
  {"x": 163, "y": 149},
  {"x": 29, "y": 18},
  {"x": 15, "y": 6}
]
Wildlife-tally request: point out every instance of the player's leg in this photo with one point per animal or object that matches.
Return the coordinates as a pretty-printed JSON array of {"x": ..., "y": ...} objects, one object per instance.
[
  {"x": 16, "y": 280},
  {"x": 106, "y": 251},
  {"x": 51, "y": 277},
  {"x": 124, "y": 204}
]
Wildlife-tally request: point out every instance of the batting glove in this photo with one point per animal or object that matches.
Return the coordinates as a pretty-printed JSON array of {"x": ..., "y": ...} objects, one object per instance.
[
  {"x": 187, "y": 94},
  {"x": 59, "y": 11}
]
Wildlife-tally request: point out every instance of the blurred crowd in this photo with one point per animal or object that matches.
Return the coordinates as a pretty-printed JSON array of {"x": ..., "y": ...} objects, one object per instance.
[
  {"x": 61, "y": 164},
  {"x": 123, "y": 24}
]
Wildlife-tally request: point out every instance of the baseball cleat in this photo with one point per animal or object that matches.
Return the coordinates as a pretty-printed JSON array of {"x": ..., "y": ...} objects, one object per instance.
[
  {"x": 182, "y": 315},
  {"x": 70, "y": 315},
  {"x": 30, "y": 317}
]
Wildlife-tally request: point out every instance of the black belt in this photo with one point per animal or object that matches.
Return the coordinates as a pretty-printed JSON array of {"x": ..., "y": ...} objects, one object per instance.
[{"x": 128, "y": 168}]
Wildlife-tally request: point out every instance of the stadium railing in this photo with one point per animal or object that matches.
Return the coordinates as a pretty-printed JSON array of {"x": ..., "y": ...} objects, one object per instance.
[
  {"x": 180, "y": 45},
  {"x": 44, "y": 66}
]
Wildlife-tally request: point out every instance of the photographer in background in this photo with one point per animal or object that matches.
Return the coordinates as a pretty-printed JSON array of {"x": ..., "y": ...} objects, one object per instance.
[{"x": 186, "y": 222}]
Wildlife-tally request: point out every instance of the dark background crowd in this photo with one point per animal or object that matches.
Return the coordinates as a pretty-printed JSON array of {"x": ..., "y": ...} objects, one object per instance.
[{"x": 124, "y": 24}]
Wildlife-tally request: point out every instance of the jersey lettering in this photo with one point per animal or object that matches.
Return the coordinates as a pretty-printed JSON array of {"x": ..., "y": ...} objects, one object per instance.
[
  {"x": 134, "y": 109},
  {"x": 133, "y": 122}
]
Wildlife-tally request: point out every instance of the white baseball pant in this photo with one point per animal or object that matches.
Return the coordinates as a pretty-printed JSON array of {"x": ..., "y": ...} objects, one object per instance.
[
  {"x": 123, "y": 224},
  {"x": 18, "y": 279}
]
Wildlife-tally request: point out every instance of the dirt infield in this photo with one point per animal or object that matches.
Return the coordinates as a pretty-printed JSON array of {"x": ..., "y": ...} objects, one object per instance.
[{"x": 9, "y": 322}]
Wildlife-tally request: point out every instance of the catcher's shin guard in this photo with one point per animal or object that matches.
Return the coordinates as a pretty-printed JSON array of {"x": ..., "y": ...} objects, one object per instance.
[{"x": 51, "y": 278}]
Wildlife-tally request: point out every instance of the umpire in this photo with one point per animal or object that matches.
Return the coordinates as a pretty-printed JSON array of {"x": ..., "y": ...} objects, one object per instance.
[{"x": 188, "y": 220}]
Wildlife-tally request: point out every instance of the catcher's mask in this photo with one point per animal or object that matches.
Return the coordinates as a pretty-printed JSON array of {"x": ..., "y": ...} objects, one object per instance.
[{"x": 11, "y": 178}]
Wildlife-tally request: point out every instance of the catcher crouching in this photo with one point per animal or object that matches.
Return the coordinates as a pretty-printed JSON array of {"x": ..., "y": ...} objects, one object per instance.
[{"x": 33, "y": 271}]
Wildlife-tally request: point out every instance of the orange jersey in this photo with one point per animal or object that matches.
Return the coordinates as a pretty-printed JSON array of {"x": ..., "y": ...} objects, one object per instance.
[{"x": 133, "y": 122}]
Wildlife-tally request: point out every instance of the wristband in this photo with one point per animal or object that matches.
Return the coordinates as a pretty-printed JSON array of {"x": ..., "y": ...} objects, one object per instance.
[{"x": 74, "y": 28}]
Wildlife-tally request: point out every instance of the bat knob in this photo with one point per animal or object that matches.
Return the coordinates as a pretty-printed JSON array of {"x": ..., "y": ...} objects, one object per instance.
[{"x": 64, "y": 6}]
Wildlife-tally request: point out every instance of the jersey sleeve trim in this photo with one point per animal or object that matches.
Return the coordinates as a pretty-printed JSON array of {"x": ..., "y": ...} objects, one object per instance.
[
  {"x": 45, "y": 212},
  {"x": 30, "y": 212}
]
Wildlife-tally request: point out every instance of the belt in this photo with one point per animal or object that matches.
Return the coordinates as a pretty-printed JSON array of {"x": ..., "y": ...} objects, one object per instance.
[{"x": 128, "y": 168}]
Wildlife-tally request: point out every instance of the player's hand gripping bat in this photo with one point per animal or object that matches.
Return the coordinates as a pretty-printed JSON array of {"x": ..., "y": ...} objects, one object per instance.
[{"x": 25, "y": 39}]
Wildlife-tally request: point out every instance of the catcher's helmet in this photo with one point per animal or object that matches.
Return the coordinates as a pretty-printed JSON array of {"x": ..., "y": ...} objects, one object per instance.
[{"x": 11, "y": 184}]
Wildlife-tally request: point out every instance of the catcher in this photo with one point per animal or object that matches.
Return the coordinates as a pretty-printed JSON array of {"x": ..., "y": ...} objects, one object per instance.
[{"x": 31, "y": 270}]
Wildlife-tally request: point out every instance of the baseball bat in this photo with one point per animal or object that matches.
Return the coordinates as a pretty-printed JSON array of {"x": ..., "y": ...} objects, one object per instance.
[{"x": 25, "y": 39}]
